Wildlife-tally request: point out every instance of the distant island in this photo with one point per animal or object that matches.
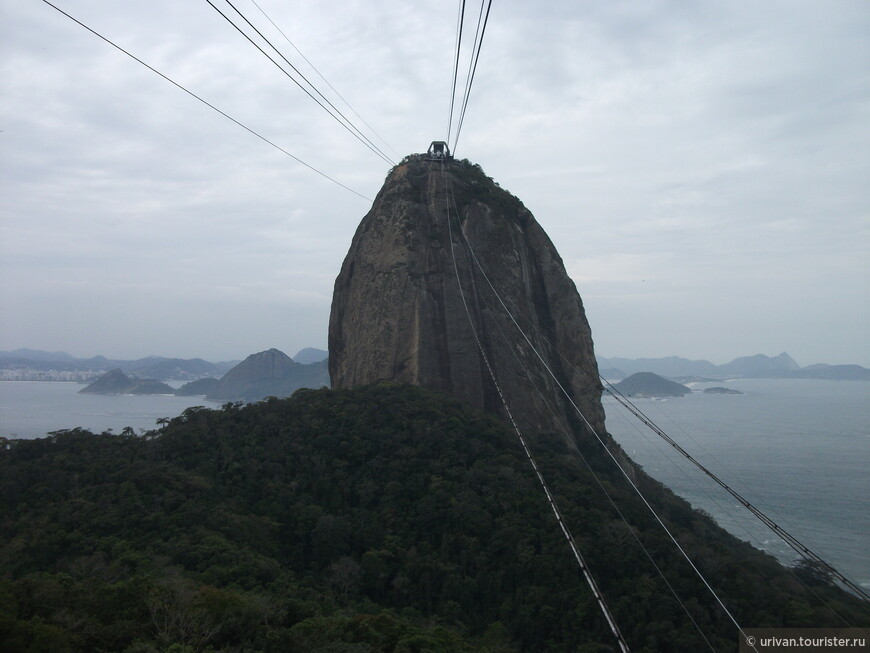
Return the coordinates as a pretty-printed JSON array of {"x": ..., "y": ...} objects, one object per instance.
[
  {"x": 198, "y": 387},
  {"x": 115, "y": 382},
  {"x": 718, "y": 390},
  {"x": 647, "y": 384}
]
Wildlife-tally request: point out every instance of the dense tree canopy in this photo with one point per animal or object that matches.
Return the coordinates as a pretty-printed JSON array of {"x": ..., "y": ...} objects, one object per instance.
[{"x": 381, "y": 519}]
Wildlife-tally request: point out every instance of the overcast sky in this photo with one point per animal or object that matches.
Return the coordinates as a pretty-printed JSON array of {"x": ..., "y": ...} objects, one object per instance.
[{"x": 702, "y": 167}]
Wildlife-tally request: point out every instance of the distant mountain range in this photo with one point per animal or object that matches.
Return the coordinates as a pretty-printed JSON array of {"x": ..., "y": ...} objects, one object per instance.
[
  {"x": 269, "y": 373},
  {"x": 151, "y": 367},
  {"x": 758, "y": 366},
  {"x": 34, "y": 364}
]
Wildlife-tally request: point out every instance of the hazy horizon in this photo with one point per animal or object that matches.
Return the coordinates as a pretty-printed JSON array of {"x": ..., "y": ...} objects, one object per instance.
[
  {"x": 294, "y": 351},
  {"x": 701, "y": 168}
]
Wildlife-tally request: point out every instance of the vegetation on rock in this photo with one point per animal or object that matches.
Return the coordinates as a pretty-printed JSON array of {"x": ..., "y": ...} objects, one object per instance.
[{"x": 381, "y": 519}]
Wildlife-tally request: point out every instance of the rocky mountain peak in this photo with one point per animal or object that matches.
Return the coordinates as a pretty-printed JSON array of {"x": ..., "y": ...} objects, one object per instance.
[
  {"x": 415, "y": 295},
  {"x": 267, "y": 373},
  {"x": 257, "y": 368},
  {"x": 113, "y": 381}
]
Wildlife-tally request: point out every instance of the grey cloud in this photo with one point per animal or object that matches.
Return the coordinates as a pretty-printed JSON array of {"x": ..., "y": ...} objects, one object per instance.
[{"x": 708, "y": 159}]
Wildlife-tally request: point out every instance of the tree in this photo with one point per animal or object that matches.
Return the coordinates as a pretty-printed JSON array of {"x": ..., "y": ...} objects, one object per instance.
[
  {"x": 344, "y": 574},
  {"x": 177, "y": 615},
  {"x": 813, "y": 572}
]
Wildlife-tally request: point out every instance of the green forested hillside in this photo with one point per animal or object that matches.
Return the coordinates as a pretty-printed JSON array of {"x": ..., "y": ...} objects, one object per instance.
[{"x": 381, "y": 519}]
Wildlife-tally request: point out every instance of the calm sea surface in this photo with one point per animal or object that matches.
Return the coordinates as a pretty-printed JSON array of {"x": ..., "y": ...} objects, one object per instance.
[
  {"x": 798, "y": 449},
  {"x": 30, "y": 409}
]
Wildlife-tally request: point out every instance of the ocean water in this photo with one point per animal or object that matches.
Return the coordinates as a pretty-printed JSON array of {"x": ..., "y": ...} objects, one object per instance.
[
  {"x": 798, "y": 449},
  {"x": 31, "y": 409}
]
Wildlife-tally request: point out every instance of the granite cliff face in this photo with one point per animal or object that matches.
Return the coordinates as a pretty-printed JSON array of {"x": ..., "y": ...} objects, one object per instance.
[{"x": 398, "y": 312}]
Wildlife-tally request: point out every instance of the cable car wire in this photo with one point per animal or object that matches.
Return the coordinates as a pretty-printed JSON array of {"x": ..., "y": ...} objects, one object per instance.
[
  {"x": 348, "y": 125},
  {"x": 572, "y": 444},
  {"x": 796, "y": 544},
  {"x": 590, "y": 580},
  {"x": 601, "y": 441},
  {"x": 476, "y": 56},
  {"x": 314, "y": 68},
  {"x": 474, "y": 51},
  {"x": 602, "y": 380},
  {"x": 460, "y": 19},
  {"x": 723, "y": 508},
  {"x": 799, "y": 548},
  {"x": 205, "y": 102}
]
